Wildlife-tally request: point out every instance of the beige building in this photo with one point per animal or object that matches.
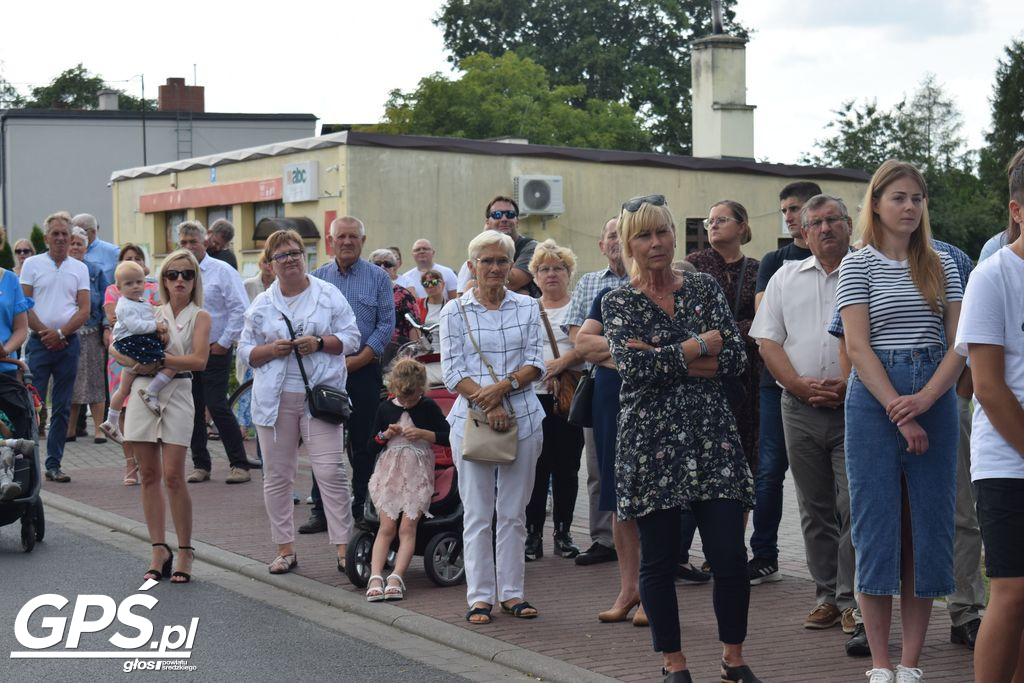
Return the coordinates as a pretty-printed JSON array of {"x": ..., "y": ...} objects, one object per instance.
[{"x": 408, "y": 187}]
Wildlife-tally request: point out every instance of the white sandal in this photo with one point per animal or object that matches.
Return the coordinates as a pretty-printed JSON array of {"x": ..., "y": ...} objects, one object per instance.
[
  {"x": 375, "y": 594},
  {"x": 394, "y": 592}
]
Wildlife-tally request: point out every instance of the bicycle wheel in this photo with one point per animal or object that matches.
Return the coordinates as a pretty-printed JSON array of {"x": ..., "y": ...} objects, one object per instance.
[{"x": 240, "y": 402}]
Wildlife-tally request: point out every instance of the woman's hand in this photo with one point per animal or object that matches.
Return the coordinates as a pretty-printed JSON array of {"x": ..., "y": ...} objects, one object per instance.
[
  {"x": 917, "y": 438},
  {"x": 497, "y": 418},
  {"x": 556, "y": 366},
  {"x": 713, "y": 340},
  {"x": 705, "y": 367},
  {"x": 489, "y": 397},
  {"x": 638, "y": 345},
  {"x": 279, "y": 348},
  {"x": 905, "y": 408},
  {"x": 306, "y": 344}
]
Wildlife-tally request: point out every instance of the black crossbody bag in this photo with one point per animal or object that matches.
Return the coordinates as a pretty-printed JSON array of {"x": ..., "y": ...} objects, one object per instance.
[{"x": 326, "y": 403}]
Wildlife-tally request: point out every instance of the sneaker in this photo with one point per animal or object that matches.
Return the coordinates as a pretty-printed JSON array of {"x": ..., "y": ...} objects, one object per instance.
[
  {"x": 906, "y": 674},
  {"x": 687, "y": 573},
  {"x": 57, "y": 475},
  {"x": 848, "y": 622},
  {"x": 197, "y": 475},
  {"x": 763, "y": 570},
  {"x": 534, "y": 547},
  {"x": 823, "y": 616},
  {"x": 112, "y": 431},
  {"x": 596, "y": 554},
  {"x": 237, "y": 476},
  {"x": 880, "y": 676},
  {"x": 565, "y": 546},
  {"x": 150, "y": 400},
  {"x": 857, "y": 646}
]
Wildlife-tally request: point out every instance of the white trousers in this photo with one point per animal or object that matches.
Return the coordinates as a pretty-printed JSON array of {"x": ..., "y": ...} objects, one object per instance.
[{"x": 505, "y": 489}]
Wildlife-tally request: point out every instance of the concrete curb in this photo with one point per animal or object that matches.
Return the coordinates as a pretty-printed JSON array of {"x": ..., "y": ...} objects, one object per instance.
[{"x": 530, "y": 663}]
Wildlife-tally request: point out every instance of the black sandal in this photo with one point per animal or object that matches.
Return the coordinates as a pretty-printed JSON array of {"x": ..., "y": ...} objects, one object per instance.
[
  {"x": 738, "y": 674},
  {"x": 485, "y": 611},
  {"x": 184, "y": 575},
  {"x": 157, "y": 574},
  {"x": 517, "y": 609}
]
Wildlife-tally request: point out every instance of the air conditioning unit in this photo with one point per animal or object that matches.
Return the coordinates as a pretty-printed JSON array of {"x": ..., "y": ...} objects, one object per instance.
[{"x": 539, "y": 195}]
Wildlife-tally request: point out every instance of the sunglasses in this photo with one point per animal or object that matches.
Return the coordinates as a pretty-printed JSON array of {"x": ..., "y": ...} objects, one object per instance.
[
  {"x": 633, "y": 204},
  {"x": 22, "y": 251},
  {"x": 384, "y": 264},
  {"x": 186, "y": 275},
  {"x": 496, "y": 215},
  {"x": 433, "y": 282}
]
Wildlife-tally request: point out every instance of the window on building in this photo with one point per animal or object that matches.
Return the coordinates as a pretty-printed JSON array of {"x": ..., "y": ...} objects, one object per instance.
[
  {"x": 172, "y": 218},
  {"x": 261, "y": 210},
  {"x": 696, "y": 235},
  {"x": 217, "y": 212}
]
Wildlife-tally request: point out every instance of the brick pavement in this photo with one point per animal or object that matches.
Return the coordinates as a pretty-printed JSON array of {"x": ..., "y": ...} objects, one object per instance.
[{"x": 569, "y": 597}]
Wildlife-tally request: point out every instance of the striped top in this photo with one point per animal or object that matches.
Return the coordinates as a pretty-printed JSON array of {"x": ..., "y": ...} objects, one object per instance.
[{"x": 899, "y": 316}]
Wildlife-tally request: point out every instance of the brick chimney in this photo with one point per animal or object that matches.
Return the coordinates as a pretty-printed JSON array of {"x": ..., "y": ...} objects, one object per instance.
[{"x": 176, "y": 96}]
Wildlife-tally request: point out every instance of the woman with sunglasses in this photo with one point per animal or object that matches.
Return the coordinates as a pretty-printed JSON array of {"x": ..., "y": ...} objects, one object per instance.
[
  {"x": 405, "y": 301},
  {"x": 159, "y": 441},
  {"x": 298, "y": 315},
  {"x": 674, "y": 340},
  {"x": 23, "y": 249},
  {"x": 429, "y": 307}
]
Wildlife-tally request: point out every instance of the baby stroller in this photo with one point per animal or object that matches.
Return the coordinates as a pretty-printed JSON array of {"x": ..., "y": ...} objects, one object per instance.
[
  {"x": 438, "y": 538},
  {"x": 17, "y": 403}
]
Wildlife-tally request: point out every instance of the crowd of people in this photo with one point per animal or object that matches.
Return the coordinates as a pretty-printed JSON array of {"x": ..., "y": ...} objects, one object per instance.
[{"x": 708, "y": 379}]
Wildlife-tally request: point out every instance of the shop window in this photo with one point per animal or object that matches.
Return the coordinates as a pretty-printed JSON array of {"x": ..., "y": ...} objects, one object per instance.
[{"x": 172, "y": 220}]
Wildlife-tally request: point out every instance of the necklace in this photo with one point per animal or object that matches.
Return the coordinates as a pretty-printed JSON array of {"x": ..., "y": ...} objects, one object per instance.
[{"x": 651, "y": 292}]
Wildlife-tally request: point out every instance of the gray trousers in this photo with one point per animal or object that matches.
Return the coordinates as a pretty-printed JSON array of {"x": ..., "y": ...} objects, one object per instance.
[
  {"x": 969, "y": 599},
  {"x": 817, "y": 461},
  {"x": 600, "y": 520}
]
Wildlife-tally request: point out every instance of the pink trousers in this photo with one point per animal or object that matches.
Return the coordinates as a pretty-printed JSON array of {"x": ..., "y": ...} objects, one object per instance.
[{"x": 325, "y": 444}]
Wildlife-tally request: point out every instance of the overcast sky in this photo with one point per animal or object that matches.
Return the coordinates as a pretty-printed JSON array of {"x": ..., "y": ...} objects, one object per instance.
[{"x": 339, "y": 60}]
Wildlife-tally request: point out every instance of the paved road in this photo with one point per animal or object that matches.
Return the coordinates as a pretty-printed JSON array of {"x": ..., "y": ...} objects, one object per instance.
[{"x": 263, "y": 633}]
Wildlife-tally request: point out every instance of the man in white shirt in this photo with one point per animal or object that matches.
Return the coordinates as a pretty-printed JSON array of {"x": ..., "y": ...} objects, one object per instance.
[
  {"x": 791, "y": 330},
  {"x": 225, "y": 299},
  {"x": 423, "y": 254},
  {"x": 59, "y": 287}
]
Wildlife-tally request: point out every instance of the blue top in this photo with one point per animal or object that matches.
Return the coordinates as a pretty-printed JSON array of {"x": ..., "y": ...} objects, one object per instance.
[
  {"x": 104, "y": 255},
  {"x": 12, "y": 302},
  {"x": 368, "y": 291},
  {"x": 98, "y": 283}
]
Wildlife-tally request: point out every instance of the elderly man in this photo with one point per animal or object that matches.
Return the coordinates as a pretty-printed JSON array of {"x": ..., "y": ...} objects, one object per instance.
[
  {"x": 602, "y": 547},
  {"x": 218, "y": 237},
  {"x": 59, "y": 286},
  {"x": 423, "y": 254},
  {"x": 502, "y": 214},
  {"x": 791, "y": 330},
  {"x": 367, "y": 288},
  {"x": 103, "y": 254},
  {"x": 225, "y": 299}
]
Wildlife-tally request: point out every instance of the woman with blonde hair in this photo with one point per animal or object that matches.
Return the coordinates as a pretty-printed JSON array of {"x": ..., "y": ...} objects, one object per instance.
[{"x": 900, "y": 300}]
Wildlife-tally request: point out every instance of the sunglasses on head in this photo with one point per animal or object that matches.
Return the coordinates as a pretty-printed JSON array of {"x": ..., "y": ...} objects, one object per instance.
[
  {"x": 496, "y": 215},
  {"x": 633, "y": 204},
  {"x": 186, "y": 275},
  {"x": 22, "y": 251}
]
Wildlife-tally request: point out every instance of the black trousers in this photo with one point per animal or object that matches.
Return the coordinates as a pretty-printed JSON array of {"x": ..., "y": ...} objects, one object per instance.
[
  {"x": 560, "y": 462},
  {"x": 363, "y": 387},
  {"x": 210, "y": 392},
  {"x": 721, "y": 529}
]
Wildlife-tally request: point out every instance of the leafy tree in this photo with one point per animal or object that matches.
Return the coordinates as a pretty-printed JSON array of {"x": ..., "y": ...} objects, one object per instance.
[
  {"x": 511, "y": 96},
  {"x": 864, "y": 137},
  {"x": 932, "y": 127},
  {"x": 37, "y": 239},
  {"x": 6, "y": 256},
  {"x": 10, "y": 98},
  {"x": 632, "y": 51},
  {"x": 74, "y": 88},
  {"x": 1007, "y": 134}
]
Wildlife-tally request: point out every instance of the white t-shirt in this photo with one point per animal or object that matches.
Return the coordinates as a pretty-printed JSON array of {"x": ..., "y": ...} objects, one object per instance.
[
  {"x": 993, "y": 313},
  {"x": 411, "y": 280},
  {"x": 293, "y": 376},
  {"x": 556, "y": 316},
  {"x": 55, "y": 288}
]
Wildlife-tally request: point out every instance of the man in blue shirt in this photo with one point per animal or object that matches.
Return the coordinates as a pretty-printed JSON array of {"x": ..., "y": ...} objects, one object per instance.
[
  {"x": 368, "y": 291},
  {"x": 103, "y": 254}
]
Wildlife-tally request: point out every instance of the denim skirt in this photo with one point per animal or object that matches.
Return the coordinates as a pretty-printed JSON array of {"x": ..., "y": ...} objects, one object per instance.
[{"x": 877, "y": 460}]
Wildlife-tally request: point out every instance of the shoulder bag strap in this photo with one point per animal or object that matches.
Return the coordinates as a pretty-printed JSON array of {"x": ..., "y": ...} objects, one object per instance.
[
  {"x": 302, "y": 370},
  {"x": 469, "y": 333},
  {"x": 547, "y": 326},
  {"x": 739, "y": 287}
]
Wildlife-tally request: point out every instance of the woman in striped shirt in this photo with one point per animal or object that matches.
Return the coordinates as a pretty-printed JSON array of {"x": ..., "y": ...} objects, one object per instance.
[{"x": 900, "y": 300}]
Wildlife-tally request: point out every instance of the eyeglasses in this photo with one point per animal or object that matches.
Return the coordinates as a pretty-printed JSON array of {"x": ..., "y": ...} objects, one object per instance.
[
  {"x": 544, "y": 270},
  {"x": 633, "y": 204},
  {"x": 496, "y": 215},
  {"x": 488, "y": 262},
  {"x": 384, "y": 264},
  {"x": 22, "y": 251},
  {"x": 819, "y": 223},
  {"x": 186, "y": 275},
  {"x": 432, "y": 282},
  {"x": 287, "y": 256},
  {"x": 720, "y": 221}
]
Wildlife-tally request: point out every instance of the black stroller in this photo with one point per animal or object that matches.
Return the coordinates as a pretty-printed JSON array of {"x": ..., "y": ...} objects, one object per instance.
[{"x": 17, "y": 403}]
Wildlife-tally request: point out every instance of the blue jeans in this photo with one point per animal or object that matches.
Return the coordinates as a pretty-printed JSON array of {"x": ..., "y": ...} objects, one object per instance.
[
  {"x": 877, "y": 462},
  {"x": 61, "y": 366},
  {"x": 771, "y": 471}
]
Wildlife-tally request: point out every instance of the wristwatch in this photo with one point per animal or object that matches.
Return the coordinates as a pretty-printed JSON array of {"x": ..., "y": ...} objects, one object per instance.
[
  {"x": 514, "y": 382},
  {"x": 60, "y": 335},
  {"x": 319, "y": 343}
]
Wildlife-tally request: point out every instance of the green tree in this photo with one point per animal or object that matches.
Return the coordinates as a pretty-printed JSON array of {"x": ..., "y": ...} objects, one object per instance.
[
  {"x": 37, "y": 239},
  {"x": 631, "y": 51},
  {"x": 77, "y": 88},
  {"x": 6, "y": 256},
  {"x": 10, "y": 98},
  {"x": 1007, "y": 133},
  {"x": 511, "y": 96},
  {"x": 864, "y": 136}
]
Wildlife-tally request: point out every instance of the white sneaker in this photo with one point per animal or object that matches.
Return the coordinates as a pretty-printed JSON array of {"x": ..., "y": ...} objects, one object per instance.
[
  {"x": 111, "y": 430},
  {"x": 906, "y": 674},
  {"x": 880, "y": 676}
]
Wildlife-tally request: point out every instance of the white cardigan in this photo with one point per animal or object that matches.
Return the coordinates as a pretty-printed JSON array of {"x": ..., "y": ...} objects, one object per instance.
[{"x": 324, "y": 313}]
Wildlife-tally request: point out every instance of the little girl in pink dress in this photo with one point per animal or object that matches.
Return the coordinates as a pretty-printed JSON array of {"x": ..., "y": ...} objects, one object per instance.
[{"x": 403, "y": 479}]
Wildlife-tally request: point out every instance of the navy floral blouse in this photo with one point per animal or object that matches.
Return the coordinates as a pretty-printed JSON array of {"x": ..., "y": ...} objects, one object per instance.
[{"x": 678, "y": 440}]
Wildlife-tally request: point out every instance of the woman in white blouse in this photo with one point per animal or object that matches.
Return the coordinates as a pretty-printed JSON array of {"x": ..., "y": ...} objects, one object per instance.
[
  {"x": 506, "y": 326},
  {"x": 325, "y": 329}
]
